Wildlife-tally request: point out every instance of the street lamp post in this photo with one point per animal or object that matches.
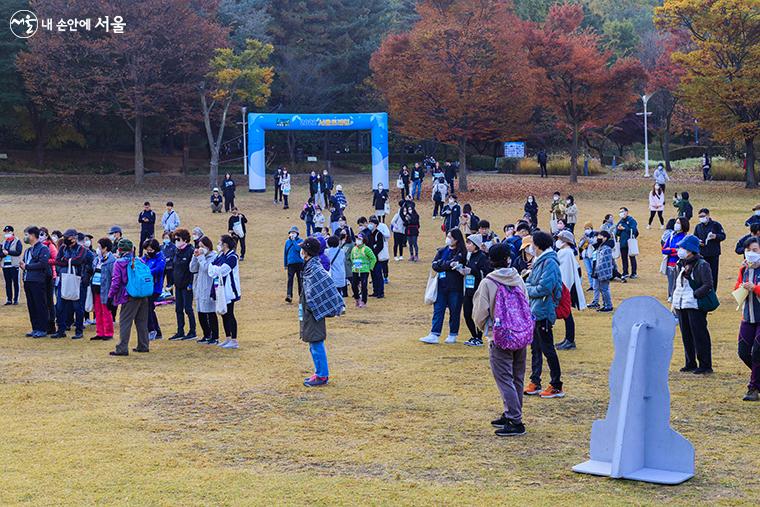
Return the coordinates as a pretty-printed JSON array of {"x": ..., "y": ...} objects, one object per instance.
[
  {"x": 245, "y": 151},
  {"x": 645, "y": 99}
]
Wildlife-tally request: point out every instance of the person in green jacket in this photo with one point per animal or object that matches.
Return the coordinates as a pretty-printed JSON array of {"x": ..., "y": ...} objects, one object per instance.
[{"x": 363, "y": 260}]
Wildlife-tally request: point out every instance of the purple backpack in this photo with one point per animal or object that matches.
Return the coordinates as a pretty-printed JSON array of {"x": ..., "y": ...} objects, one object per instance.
[{"x": 512, "y": 321}]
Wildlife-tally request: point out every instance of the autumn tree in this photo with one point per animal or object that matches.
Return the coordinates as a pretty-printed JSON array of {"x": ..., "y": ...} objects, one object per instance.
[
  {"x": 234, "y": 76},
  {"x": 460, "y": 75},
  {"x": 722, "y": 67},
  {"x": 162, "y": 53},
  {"x": 577, "y": 83}
]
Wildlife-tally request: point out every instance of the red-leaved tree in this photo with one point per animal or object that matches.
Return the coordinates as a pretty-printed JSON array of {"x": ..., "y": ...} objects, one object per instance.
[
  {"x": 460, "y": 75},
  {"x": 578, "y": 84}
]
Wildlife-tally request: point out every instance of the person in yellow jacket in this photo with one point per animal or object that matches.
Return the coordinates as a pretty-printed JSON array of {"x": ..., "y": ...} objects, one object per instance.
[{"x": 363, "y": 260}]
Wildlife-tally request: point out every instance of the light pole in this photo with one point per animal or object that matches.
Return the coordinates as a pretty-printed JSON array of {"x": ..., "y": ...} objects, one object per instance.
[
  {"x": 645, "y": 99},
  {"x": 245, "y": 152}
]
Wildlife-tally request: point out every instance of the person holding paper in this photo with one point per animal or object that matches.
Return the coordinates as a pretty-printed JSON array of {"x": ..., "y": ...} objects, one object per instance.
[
  {"x": 711, "y": 235},
  {"x": 749, "y": 329}
]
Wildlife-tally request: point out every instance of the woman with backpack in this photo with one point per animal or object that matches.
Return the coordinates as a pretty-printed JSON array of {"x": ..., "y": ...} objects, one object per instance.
[
  {"x": 156, "y": 261},
  {"x": 447, "y": 266},
  {"x": 501, "y": 304},
  {"x": 337, "y": 258},
  {"x": 571, "y": 278},
  {"x": 133, "y": 309},
  {"x": 440, "y": 192},
  {"x": 694, "y": 282},
  {"x": 478, "y": 266}
]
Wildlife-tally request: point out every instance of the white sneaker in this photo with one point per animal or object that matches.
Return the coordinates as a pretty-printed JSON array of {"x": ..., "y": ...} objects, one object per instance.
[
  {"x": 224, "y": 343},
  {"x": 662, "y": 227},
  {"x": 452, "y": 338},
  {"x": 401, "y": 258},
  {"x": 231, "y": 344},
  {"x": 649, "y": 227},
  {"x": 431, "y": 339},
  {"x": 395, "y": 259}
]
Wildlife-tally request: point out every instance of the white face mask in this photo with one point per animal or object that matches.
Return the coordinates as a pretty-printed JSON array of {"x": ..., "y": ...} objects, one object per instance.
[
  {"x": 8, "y": 236},
  {"x": 219, "y": 247},
  {"x": 195, "y": 237},
  {"x": 556, "y": 198},
  {"x": 703, "y": 220},
  {"x": 178, "y": 243},
  {"x": 87, "y": 243},
  {"x": 292, "y": 235},
  {"x": 531, "y": 251},
  {"x": 112, "y": 237},
  {"x": 569, "y": 202},
  {"x": 622, "y": 214},
  {"x": 559, "y": 244},
  {"x": 448, "y": 241},
  {"x": 682, "y": 253},
  {"x": 757, "y": 212},
  {"x": 752, "y": 257},
  {"x": 359, "y": 241},
  {"x": 204, "y": 250},
  {"x": 657, "y": 187},
  {"x": 371, "y": 227},
  {"x": 55, "y": 239},
  {"x": 677, "y": 227},
  {"x": 530, "y": 199},
  {"x": 451, "y": 201},
  {"x": 588, "y": 232}
]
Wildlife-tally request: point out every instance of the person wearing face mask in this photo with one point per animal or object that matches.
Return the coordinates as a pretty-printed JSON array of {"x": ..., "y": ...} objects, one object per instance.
[
  {"x": 307, "y": 215},
  {"x": 168, "y": 248},
  {"x": 363, "y": 262},
  {"x": 586, "y": 247},
  {"x": 115, "y": 235},
  {"x": 50, "y": 277},
  {"x": 399, "y": 232},
  {"x": 346, "y": 244},
  {"x": 216, "y": 200},
  {"x": 285, "y": 187},
  {"x": 134, "y": 310},
  {"x": 749, "y": 329},
  {"x": 451, "y": 214},
  {"x": 656, "y": 205},
  {"x": 754, "y": 231},
  {"x": 11, "y": 250},
  {"x": 661, "y": 177},
  {"x": 196, "y": 236},
  {"x": 570, "y": 274},
  {"x": 542, "y": 158},
  {"x": 602, "y": 271},
  {"x": 439, "y": 195},
  {"x": 339, "y": 199},
  {"x": 694, "y": 281},
  {"x": 292, "y": 262},
  {"x": 327, "y": 179},
  {"x": 312, "y": 183},
  {"x": 319, "y": 190},
  {"x": 277, "y": 189},
  {"x": 375, "y": 239},
  {"x": 450, "y": 172},
  {"x": 147, "y": 221},
  {"x": 237, "y": 229},
  {"x": 203, "y": 284},
  {"x": 670, "y": 249},
  {"x": 87, "y": 271},
  {"x": 418, "y": 175},
  {"x": 711, "y": 235},
  {"x": 343, "y": 227},
  {"x": 571, "y": 213},
  {"x": 412, "y": 230},
  {"x": 380, "y": 202},
  {"x": 683, "y": 205},
  {"x": 102, "y": 273},
  {"x": 156, "y": 262},
  {"x": 226, "y": 269},
  {"x": 337, "y": 257},
  {"x": 477, "y": 267},
  {"x": 36, "y": 268},
  {"x": 531, "y": 208},
  {"x": 557, "y": 211},
  {"x": 448, "y": 266},
  {"x": 319, "y": 300},
  {"x": 626, "y": 231},
  {"x": 70, "y": 254},
  {"x": 170, "y": 219},
  {"x": 754, "y": 218},
  {"x": 228, "y": 190},
  {"x": 183, "y": 286}
]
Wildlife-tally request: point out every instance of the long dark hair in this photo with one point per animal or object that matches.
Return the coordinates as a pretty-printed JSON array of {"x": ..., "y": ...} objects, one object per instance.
[{"x": 457, "y": 235}]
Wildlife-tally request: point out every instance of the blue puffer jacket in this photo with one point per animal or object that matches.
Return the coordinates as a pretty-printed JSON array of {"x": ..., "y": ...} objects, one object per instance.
[
  {"x": 157, "y": 264},
  {"x": 544, "y": 285},
  {"x": 291, "y": 254}
]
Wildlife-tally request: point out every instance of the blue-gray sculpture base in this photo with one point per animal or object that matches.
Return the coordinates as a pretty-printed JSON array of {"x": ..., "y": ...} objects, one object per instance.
[{"x": 653, "y": 475}]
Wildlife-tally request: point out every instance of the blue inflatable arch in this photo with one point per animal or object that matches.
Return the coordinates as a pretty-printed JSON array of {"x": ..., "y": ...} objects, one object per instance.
[{"x": 258, "y": 124}]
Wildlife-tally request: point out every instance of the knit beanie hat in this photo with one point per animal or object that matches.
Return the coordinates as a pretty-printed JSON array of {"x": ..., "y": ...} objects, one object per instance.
[
  {"x": 125, "y": 245},
  {"x": 690, "y": 243},
  {"x": 475, "y": 239}
]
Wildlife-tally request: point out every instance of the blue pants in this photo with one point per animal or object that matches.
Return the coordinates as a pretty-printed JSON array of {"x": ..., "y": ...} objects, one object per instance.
[
  {"x": 589, "y": 266},
  {"x": 319, "y": 356},
  {"x": 416, "y": 189},
  {"x": 64, "y": 310},
  {"x": 309, "y": 228},
  {"x": 378, "y": 281},
  {"x": 602, "y": 288},
  {"x": 453, "y": 301}
]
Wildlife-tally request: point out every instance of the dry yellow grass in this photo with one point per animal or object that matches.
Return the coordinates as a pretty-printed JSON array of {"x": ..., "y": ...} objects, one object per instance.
[{"x": 400, "y": 422}]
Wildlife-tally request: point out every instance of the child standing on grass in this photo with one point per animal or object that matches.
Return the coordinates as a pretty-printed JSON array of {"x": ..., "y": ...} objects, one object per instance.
[{"x": 319, "y": 300}]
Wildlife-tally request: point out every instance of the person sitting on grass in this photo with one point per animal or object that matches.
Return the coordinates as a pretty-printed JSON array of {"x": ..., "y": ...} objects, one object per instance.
[
  {"x": 216, "y": 201},
  {"x": 320, "y": 299}
]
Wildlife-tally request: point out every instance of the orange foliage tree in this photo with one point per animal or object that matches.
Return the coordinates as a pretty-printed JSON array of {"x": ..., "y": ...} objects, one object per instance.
[
  {"x": 578, "y": 84},
  {"x": 461, "y": 74}
]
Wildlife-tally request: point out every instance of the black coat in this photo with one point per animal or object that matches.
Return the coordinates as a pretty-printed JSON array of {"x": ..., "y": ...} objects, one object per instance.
[
  {"x": 452, "y": 279},
  {"x": 710, "y": 248},
  {"x": 147, "y": 220},
  {"x": 479, "y": 266},
  {"x": 183, "y": 278}
]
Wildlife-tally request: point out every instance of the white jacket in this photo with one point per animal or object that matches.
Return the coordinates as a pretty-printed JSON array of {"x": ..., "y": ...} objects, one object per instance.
[
  {"x": 568, "y": 268},
  {"x": 683, "y": 295},
  {"x": 397, "y": 224},
  {"x": 656, "y": 202},
  {"x": 384, "y": 254}
]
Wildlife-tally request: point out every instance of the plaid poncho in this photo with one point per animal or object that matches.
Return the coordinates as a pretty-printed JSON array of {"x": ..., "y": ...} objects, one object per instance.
[{"x": 322, "y": 297}]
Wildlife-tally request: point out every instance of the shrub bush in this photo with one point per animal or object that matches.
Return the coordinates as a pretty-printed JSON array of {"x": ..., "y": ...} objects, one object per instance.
[{"x": 558, "y": 166}]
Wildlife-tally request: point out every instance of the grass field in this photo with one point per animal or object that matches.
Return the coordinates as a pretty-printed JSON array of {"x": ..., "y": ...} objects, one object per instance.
[{"x": 399, "y": 423}]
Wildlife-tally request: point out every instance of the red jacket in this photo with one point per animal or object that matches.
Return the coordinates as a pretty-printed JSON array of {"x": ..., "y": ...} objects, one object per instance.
[{"x": 53, "y": 255}]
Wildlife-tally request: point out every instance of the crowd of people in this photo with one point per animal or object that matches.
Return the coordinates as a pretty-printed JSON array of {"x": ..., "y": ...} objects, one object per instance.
[{"x": 511, "y": 290}]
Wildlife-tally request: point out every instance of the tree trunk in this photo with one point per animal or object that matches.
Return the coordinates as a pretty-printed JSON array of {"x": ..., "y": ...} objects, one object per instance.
[
  {"x": 749, "y": 145},
  {"x": 463, "y": 164},
  {"x": 185, "y": 153},
  {"x": 496, "y": 154},
  {"x": 290, "y": 138},
  {"x": 39, "y": 150},
  {"x": 574, "y": 156},
  {"x": 139, "y": 161},
  {"x": 666, "y": 146},
  {"x": 213, "y": 172}
]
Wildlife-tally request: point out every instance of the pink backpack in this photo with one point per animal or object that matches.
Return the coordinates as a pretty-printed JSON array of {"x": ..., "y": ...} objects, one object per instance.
[{"x": 512, "y": 321}]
